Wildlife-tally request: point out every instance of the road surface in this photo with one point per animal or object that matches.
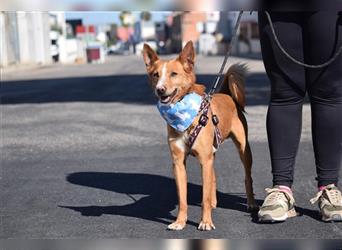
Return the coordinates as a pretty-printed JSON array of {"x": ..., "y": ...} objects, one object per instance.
[{"x": 84, "y": 155}]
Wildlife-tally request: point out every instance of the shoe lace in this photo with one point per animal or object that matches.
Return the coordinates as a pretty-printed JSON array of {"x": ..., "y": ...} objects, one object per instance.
[
  {"x": 333, "y": 196},
  {"x": 316, "y": 198},
  {"x": 274, "y": 195}
]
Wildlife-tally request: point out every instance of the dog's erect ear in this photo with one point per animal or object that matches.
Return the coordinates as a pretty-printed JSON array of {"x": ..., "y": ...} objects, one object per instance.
[
  {"x": 150, "y": 57},
  {"x": 187, "y": 57}
]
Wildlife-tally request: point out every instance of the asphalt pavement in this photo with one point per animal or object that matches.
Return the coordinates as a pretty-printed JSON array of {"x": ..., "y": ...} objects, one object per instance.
[{"x": 84, "y": 155}]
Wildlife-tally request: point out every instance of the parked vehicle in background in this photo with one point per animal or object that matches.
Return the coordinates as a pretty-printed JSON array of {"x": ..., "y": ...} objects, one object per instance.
[
  {"x": 161, "y": 37},
  {"x": 95, "y": 52},
  {"x": 54, "y": 46},
  {"x": 120, "y": 48}
]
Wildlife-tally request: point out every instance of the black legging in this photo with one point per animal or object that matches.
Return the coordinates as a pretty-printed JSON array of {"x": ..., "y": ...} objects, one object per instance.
[{"x": 311, "y": 37}]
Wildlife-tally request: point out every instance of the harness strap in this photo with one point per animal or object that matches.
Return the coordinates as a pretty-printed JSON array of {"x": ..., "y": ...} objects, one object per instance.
[
  {"x": 202, "y": 122},
  {"x": 218, "y": 138}
]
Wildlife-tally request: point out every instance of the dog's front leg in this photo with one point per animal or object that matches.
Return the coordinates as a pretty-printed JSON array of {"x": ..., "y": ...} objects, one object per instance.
[
  {"x": 179, "y": 156},
  {"x": 207, "y": 164}
]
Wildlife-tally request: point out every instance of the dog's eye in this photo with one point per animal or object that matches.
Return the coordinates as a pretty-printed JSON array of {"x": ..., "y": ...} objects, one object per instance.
[
  {"x": 174, "y": 73},
  {"x": 155, "y": 75}
]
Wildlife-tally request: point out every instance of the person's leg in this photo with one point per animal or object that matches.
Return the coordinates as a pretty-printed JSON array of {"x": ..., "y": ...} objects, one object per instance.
[
  {"x": 322, "y": 37},
  {"x": 284, "y": 117}
]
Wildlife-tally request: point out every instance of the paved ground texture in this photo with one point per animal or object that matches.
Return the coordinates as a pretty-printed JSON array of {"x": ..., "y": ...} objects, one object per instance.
[{"x": 84, "y": 155}]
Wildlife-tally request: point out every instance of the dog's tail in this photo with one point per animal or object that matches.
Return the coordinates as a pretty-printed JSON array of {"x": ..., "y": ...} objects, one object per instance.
[{"x": 234, "y": 84}]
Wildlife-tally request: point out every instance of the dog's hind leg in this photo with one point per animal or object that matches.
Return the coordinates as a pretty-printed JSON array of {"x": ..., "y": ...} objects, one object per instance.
[{"x": 240, "y": 138}]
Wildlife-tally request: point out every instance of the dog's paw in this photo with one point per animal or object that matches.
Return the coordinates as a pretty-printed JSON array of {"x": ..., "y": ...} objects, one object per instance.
[
  {"x": 252, "y": 208},
  {"x": 206, "y": 226},
  {"x": 176, "y": 226}
]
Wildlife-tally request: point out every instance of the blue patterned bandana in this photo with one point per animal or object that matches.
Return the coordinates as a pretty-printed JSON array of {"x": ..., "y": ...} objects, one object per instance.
[{"x": 180, "y": 115}]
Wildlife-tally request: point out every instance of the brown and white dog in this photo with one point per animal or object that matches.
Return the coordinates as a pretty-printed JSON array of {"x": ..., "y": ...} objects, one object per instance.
[{"x": 171, "y": 81}]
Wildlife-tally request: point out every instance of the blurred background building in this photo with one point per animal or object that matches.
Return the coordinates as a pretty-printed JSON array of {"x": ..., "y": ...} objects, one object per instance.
[
  {"x": 24, "y": 38},
  {"x": 54, "y": 37}
]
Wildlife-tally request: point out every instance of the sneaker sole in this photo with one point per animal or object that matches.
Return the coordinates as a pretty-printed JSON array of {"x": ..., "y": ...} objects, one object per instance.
[
  {"x": 269, "y": 219},
  {"x": 333, "y": 218}
]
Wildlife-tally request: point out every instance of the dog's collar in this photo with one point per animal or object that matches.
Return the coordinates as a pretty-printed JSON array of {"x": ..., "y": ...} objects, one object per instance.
[{"x": 180, "y": 115}]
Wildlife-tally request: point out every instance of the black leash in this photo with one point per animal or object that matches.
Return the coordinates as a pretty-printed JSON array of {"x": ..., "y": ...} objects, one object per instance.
[
  {"x": 331, "y": 60},
  {"x": 205, "y": 105},
  {"x": 218, "y": 80}
]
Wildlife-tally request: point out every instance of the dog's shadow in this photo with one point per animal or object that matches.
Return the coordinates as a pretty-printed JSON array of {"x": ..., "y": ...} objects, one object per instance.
[{"x": 159, "y": 196}]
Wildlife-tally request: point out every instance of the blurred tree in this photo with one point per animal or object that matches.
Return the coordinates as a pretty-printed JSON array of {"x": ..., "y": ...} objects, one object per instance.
[
  {"x": 145, "y": 16},
  {"x": 112, "y": 35},
  {"x": 126, "y": 18}
]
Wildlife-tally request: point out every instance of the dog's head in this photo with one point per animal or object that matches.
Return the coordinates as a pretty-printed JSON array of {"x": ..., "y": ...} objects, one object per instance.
[{"x": 171, "y": 80}]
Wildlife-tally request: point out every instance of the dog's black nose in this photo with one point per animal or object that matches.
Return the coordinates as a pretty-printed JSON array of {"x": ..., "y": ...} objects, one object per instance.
[{"x": 161, "y": 90}]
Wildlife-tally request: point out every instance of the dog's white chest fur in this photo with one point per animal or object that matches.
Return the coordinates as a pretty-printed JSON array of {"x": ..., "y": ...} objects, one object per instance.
[{"x": 180, "y": 141}]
